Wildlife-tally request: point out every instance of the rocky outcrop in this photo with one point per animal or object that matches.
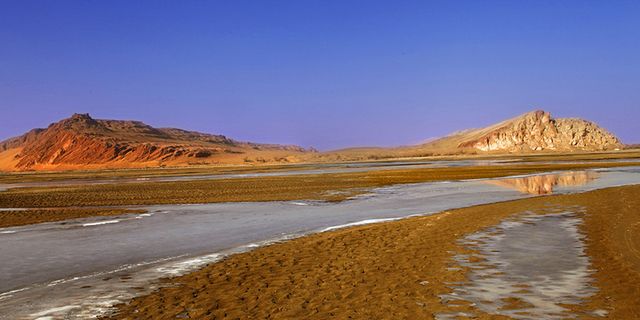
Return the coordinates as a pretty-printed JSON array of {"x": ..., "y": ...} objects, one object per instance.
[
  {"x": 17, "y": 142},
  {"x": 538, "y": 131},
  {"x": 81, "y": 140}
]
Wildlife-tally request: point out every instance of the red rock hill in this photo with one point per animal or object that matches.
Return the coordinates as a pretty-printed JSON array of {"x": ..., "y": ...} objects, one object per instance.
[{"x": 83, "y": 142}]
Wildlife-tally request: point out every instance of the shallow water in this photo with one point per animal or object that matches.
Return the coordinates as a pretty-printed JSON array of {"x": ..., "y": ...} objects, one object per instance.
[
  {"x": 92, "y": 263},
  {"x": 528, "y": 267},
  {"x": 316, "y": 169},
  {"x": 295, "y": 170},
  {"x": 545, "y": 184}
]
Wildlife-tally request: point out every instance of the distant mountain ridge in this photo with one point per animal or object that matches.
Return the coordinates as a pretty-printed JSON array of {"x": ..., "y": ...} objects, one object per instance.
[{"x": 81, "y": 141}]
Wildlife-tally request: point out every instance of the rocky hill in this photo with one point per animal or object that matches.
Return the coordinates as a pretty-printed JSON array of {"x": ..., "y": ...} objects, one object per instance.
[
  {"x": 83, "y": 142},
  {"x": 535, "y": 131},
  {"x": 538, "y": 131}
]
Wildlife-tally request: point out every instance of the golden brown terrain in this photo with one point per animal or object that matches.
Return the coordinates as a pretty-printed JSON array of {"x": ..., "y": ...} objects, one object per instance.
[
  {"x": 81, "y": 142},
  {"x": 101, "y": 174},
  {"x": 395, "y": 270},
  {"x": 330, "y": 187},
  {"x": 134, "y": 173}
]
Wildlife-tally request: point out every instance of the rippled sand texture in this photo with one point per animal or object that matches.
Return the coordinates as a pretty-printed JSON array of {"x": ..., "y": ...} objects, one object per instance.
[
  {"x": 529, "y": 267},
  {"x": 74, "y": 267},
  {"x": 545, "y": 184},
  {"x": 401, "y": 269}
]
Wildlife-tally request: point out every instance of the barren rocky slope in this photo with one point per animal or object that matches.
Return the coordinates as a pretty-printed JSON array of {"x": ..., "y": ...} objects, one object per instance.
[
  {"x": 535, "y": 131},
  {"x": 83, "y": 142}
]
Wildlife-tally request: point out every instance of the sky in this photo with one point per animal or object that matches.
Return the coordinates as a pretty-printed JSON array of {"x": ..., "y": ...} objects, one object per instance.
[{"x": 327, "y": 74}]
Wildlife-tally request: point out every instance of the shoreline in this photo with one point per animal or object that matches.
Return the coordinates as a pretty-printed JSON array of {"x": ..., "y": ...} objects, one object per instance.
[
  {"x": 328, "y": 187},
  {"x": 111, "y": 172},
  {"x": 22, "y": 216},
  {"x": 571, "y": 179},
  {"x": 26, "y": 217},
  {"x": 242, "y": 277}
]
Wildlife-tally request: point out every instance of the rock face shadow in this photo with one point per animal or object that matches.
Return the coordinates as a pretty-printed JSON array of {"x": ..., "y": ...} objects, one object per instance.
[
  {"x": 545, "y": 184},
  {"x": 529, "y": 267}
]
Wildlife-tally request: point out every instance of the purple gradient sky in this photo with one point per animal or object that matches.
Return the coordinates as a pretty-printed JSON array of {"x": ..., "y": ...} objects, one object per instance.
[{"x": 328, "y": 74}]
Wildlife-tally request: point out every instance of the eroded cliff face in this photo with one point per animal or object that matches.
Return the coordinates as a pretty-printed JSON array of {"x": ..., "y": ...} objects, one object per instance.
[
  {"x": 538, "y": 131},
  {"x": 83, "y": 141}
]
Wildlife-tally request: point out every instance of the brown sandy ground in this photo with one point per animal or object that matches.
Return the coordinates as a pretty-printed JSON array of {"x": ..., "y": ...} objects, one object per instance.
[
  {"x": 394, "y": 270},
  {"x": 25, "y": 217},
  {"x": 96, "y": 174},
  {"x": 330, "y": 187},
  {"x": 40, "y": 176}
]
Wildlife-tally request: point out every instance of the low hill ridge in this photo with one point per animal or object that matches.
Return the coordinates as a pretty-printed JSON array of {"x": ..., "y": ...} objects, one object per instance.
[
  {"x": 535, "y": 131},
  {"x": 81, "y": 141},
  {"x": 538, "y": 131}
]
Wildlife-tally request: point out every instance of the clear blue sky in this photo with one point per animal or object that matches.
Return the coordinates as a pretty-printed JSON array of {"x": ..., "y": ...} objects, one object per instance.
[{"x": 328, "y": 74}]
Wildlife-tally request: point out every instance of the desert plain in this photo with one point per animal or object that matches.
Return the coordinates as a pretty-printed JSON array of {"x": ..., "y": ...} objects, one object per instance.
[
  {"x": 293, "y": 160},
  {"x": 530, "y": 218},
  {"x": 367, "y": 240}
]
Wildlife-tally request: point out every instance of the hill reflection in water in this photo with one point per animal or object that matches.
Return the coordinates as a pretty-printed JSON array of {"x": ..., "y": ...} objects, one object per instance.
[{"x": 545, "y": 184}]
